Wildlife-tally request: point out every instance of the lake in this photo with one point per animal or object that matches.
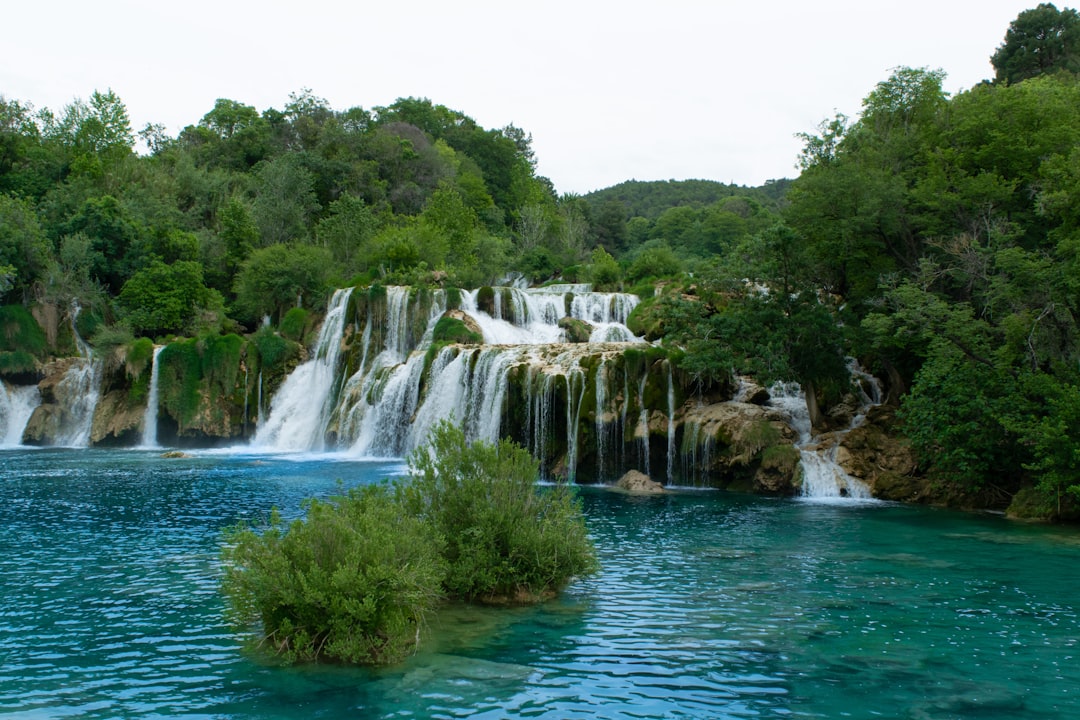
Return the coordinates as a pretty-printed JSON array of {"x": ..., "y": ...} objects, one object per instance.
[{"x": 708, "y": 605}]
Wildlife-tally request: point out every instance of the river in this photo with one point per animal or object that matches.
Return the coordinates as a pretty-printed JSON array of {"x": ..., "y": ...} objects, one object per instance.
[{"x": 708, "y": 605}]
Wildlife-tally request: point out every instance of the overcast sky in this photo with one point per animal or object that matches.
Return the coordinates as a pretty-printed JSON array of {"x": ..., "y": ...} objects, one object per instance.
[{"x": 611, "y": 91}]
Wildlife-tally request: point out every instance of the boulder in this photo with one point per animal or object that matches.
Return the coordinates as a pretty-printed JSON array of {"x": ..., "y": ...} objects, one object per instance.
[
  {"x": 576, "y": 331},
  {"x": 639, "y": 483}
]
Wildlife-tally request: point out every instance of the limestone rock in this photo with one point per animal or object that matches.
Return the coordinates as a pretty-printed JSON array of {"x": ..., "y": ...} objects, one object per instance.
[
  {"x": 877, "y": 455},
  {"x": 639, "y": 483},
  {"x": 116, "y": 421}
]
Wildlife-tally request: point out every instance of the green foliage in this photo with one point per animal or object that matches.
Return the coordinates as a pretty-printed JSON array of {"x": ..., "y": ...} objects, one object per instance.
[
  {"x": 197, "y": 378},
  {"x": 355, "y": 579},
  {"x": 294, "y": 323},
  {"x": 506, "y": 539},
  {"x": 1040, "y": 40},
  {"x": 161, "y": 299},
  {"x": 24, "y": 249},
  {"x": 604, "y": 272},
  {"x": 20, "y": 332},
  {"x": 352, "y": 582},
  {"x": 138, "y": 357},
  {"x": 273, "y": 350},
  {"x": 273, "y": 278}
]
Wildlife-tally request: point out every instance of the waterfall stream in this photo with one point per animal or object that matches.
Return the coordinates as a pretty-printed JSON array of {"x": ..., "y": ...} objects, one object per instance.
[
  {"x": 822, "y": 476},
  {"x": 301, "y": 407},
  {"x": 17, "y": 404},
  {"x": 78, "y": 392},
  {"x": 150, "y": 418}
]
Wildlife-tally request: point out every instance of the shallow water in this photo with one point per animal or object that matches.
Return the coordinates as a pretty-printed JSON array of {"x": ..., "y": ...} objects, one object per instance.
[{"x": 709, "y": 605}]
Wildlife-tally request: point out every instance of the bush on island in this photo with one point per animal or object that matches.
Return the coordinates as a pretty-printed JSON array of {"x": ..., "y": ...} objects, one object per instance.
[{"x": 354, "y": 580}]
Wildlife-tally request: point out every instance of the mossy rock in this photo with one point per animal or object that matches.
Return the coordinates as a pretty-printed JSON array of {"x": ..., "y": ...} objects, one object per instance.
[
  {"x": 1031, "y": 503},
  {"x": 452, "y": 329},
  {"x": 577, "y": 331},
  {"x": 645, "y": 320},
  {"x": 485, "y": 300}
]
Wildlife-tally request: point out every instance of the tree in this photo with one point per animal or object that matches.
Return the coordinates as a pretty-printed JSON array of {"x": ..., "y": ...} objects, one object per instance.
[
  {"x": 162, "y": 299},
  {"x": 280, "y": 276},
  {"x": 24, "y": 249},
  {"x": 1039, "y": 41}
]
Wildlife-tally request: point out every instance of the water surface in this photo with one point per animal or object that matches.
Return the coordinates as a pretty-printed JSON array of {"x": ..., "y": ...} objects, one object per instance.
[{"x": 709, "y": 605}]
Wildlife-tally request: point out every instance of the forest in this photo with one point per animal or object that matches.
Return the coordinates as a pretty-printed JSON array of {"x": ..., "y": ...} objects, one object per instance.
[{"x": 935, "y": 238}]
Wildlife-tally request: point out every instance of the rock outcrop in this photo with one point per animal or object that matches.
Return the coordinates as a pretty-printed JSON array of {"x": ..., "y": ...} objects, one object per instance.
[
  {"x": 875, "y": 453},
  {"x": 639, "y": 483}
]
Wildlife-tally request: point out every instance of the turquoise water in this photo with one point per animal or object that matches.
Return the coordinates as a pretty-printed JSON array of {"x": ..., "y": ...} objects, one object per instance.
[{"x": 708, "y": 606}]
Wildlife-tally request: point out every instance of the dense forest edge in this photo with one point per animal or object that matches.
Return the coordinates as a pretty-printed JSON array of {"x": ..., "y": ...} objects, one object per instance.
[{"x": 935, "y": 238}]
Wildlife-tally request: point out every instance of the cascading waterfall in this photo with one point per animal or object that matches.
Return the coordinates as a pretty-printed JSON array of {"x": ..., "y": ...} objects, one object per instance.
[
  {"x": 670, "y": 425},
  {"x": 300, "y": 409},
  {"x": 78, "y": 392},
  {"x": 386, "y": 405},
  {"x": 17, "y": 404},
  {"x": 150, "y": 417},
  {"x": 643, "y": 425},
  {"x": 601, "y": 425},
  {"x": 822, "y": 477}
]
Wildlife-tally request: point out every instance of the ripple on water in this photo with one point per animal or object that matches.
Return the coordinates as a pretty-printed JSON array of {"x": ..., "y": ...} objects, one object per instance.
[{"x": 707, "y": 606}]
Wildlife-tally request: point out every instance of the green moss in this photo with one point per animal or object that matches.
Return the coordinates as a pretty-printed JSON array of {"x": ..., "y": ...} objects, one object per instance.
[
  {"x": 453, "y": 330},
  {"x": 14, "y": 363},
  {"x": 20, "y": 332},
  {"x": 485, "y": 300},
  {"x": 453, "y": 298},
  {"x": 137, "y": 357},
  {"x": 179, "y": 379}
]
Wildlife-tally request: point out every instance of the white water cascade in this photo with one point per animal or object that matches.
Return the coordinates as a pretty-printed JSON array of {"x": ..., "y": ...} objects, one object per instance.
[
  {"x": 399, "y": 389},
  {"x": 78, "y": 393},
  {"x": 150, "y": 417},
  {"x": 17, "y": 404},
  {"x": 300, "y": 409},
  {"x": 822, "y": 477}
]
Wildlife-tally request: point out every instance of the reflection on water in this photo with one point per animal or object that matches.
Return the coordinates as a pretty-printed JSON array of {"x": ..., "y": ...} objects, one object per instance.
[{"x": 708, "y": 606}]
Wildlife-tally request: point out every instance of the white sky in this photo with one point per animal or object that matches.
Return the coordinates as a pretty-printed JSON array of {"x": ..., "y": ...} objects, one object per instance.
[{"x": 611, "y": 91}]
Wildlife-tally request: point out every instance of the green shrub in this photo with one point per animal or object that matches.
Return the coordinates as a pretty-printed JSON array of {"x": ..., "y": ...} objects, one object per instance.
[
  {"x": 293, "y": 324},
  {"x": 273, "y": 349},
  {"x": 355, "y": 579},
  {"x": 506, "y": 538},
  {"x": 351, "y": 582}
]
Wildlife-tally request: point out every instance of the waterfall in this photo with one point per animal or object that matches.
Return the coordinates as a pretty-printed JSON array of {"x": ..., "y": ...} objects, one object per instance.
[
  {"x": 150, "y": 418},
  {"x": 385, "y": 405},
  {"x": 822, "y": 477},
  {"x": 643, "y": 425},
  {"x": 300, "y": 409},
  {"x": 78, "y": 392},
  {"x": 601, "y": 426},
  {"x": 670, "y": 425},
  {"x": 17, "y": 404}
]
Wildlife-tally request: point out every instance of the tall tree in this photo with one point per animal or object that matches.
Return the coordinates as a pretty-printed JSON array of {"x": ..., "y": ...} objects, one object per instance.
[{"x": 1038, "y": 41}]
